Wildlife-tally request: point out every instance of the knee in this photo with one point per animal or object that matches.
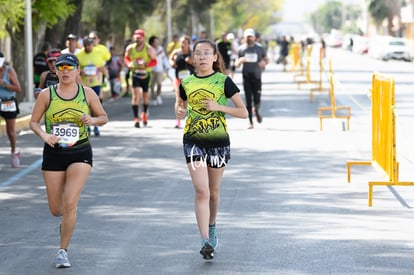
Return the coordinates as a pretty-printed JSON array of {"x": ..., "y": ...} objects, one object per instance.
[
  {"x": 70, "y": 206},
  {"x": 214, "y": 195},
  {"x": 202, "y": 194},
  {"x": 56, "y": 212}
]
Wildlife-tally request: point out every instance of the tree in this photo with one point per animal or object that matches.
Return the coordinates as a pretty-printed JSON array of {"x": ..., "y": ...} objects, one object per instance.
[
  {"x": 232, "y": 15},
  {"x": 328, "y": 16},
  {"x": 381, "y": 10},
  {"x": 42, "y": 15}
]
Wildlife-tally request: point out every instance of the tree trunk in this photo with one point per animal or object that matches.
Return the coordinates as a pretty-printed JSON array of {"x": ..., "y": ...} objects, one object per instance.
[{"x": 18, "y": 60}]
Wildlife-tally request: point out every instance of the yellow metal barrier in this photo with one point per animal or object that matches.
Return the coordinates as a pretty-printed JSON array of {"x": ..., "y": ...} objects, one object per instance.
[
  {"x": 319, "y": 87},
  {"x": 301, "y": 66},
  {"x": 295, "y": 57},
  {"x": 384, "y": 153},
  {"x": 333, "y": 108}
]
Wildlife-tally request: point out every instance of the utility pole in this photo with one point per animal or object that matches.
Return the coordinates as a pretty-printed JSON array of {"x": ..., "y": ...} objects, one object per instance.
[
  {"x": 29, "y": 51},
  {"x": 169, "y": 28},
  {"x": 212, "y": 30}
]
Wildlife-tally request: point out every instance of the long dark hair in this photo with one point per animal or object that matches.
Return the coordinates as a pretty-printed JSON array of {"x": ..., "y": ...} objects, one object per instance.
[{"x": 218, "y": 64}]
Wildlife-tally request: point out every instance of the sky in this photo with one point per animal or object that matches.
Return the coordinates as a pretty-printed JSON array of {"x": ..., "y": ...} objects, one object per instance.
[{"x": 295, "y": 10}]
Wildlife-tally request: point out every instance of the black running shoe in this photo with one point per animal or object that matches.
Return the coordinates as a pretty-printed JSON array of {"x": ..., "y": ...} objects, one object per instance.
[
  {"x": 136, "y": 121},
  {"x": 258, "y": 117},
  {"x": 207, "y": 251}
]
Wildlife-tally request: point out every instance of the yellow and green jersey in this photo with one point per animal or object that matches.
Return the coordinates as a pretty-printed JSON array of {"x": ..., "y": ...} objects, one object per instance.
[
  {"x": 90, "y": 63},
  {"x": 206, "y": 128},
  {"x": 103, "y": 52},
  {"x": 62, "y": 117},
  {"x": 140, "y": 59}
]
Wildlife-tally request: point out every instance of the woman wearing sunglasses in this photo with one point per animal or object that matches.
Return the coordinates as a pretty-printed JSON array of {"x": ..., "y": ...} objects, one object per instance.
[
  {"x": 67, "y": 153},
  {"x": 49, "y": 78}
]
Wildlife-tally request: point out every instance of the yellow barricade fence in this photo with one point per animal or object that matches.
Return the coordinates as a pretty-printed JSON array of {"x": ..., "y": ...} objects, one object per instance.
[
  {"x": 307, "y": 79},
  {"x": 384, "y": 153},
  {"x": 319, "y": 87},
  {"x": 296, "y": 57},
  {"x": 301, "y": 66},
  {"x": 334, "y": 111}
]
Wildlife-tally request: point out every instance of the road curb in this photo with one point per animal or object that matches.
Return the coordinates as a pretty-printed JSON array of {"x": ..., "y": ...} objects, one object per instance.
[{"x": 22, "y": 123}]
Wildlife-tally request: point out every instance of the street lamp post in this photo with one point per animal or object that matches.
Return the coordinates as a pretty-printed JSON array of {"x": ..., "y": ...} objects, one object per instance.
[
  {"x": 29, "y": 51},
  {"x": 169, "y": 28}
]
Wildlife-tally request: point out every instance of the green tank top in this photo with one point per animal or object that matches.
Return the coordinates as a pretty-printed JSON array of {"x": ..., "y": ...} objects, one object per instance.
[
  {"x": 62, "y": 117},
  {"x": 205, "y": 128},
  {"x": 140, "y": 59}
]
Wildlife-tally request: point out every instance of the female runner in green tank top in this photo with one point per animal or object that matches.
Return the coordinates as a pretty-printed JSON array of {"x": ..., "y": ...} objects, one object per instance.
[
  {"x": 67, "y": 153},
  {"x": 203, "y": 99}
]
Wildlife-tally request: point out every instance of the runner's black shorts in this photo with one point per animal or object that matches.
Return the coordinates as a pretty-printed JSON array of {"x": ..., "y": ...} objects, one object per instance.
[
  {"x": 141, "y": 81},
  {"x": 59, "y": 159},
  {"x": 214, "y": 157},
  {"x": 10, "y": 115}
]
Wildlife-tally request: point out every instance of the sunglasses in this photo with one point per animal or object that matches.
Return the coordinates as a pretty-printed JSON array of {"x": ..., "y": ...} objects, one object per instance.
[{"x": 61, "y": 68}]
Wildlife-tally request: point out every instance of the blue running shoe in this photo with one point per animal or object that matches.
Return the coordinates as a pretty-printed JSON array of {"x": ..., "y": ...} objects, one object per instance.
[
  {"x": 96, "y": 131},
  {"x": 207, "y": 250},
  {"x": 212, "y": 235},
  {"x": 62, "y": 259}
]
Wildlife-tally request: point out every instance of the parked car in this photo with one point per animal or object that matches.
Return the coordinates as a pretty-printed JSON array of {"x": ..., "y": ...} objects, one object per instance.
[
  {"x": 334, "y": 40},
  {"x": 387, "y": 47},
  {"x": 361, "y": 44}
]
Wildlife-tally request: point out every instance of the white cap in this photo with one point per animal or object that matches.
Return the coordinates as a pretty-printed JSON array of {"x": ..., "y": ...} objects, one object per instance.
[
  {"x": 230, "y": 36},
  {"x": 249, "y": 32}
]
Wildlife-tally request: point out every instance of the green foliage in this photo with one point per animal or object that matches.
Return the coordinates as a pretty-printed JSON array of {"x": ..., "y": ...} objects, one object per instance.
[
  {"x": 12, "y": 15},
  {"x": 109, "y": 16},
  {"x": 231, "y": 15},
  {"x": 43, "y": 12},
  {"x": 328, "y": 16},
  {"x": 378, "y": 10},
  {"x": 50, "y": 11}
]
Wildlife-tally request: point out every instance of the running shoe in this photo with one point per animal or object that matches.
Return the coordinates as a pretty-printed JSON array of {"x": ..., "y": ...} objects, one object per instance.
[
  {"x": 207, "y": 250},
  {"x": 159, "y": 100},
  {"x": 136, "y": 120},
  {"x": 178, "y": 125},
  {"x": 258, "y": 117},
  {"x": 144, "y": 118},
  {"x": 212, "y": 235},
  {"x": 62, "y": 259},
  {"x": 96, "y": 131},
  {"x": 15, "y": 160}
]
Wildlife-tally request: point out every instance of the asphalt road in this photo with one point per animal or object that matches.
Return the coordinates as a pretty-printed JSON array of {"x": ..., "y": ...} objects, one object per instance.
[{"x": 286, "y": 207}]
